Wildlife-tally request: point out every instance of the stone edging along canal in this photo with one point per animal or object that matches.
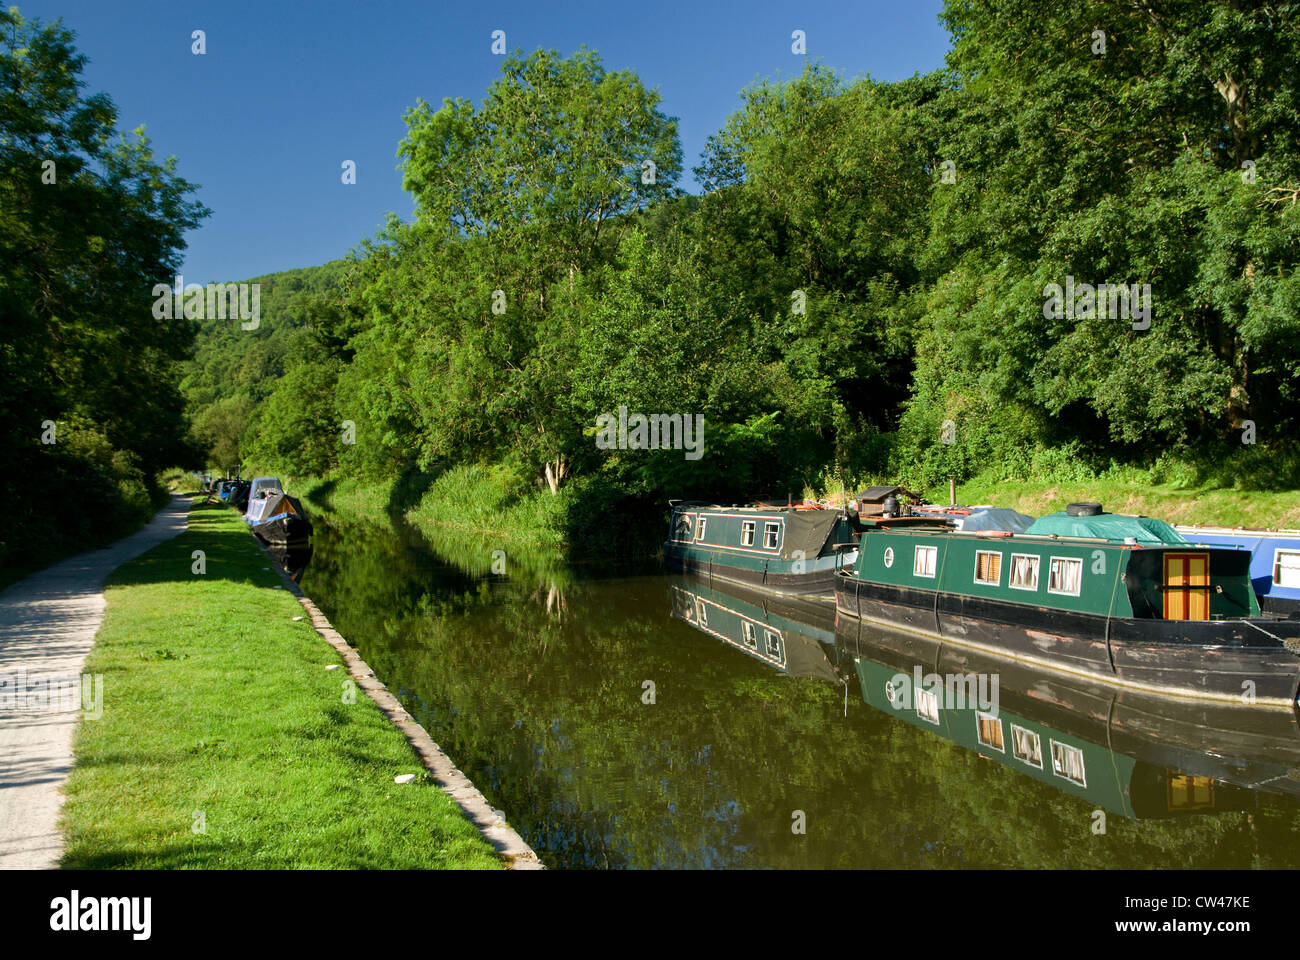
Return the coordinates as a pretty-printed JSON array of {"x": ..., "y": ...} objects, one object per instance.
[{"x": 503, "y": 838}]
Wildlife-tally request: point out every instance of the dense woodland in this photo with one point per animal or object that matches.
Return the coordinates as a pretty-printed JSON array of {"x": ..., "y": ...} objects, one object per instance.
[
  {"x": 90, "y": 220},
  {"x": 859, "y": 291}
]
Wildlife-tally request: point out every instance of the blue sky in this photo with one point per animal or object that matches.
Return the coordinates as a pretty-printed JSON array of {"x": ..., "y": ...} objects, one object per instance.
[{"x": 289, "y": 90}]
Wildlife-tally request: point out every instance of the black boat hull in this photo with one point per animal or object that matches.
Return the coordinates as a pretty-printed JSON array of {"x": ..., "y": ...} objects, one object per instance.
[
  {"x": 290, "y": 529},
  {"x": 820, "y": 583},
  {"x": 1216, "y": 659}
]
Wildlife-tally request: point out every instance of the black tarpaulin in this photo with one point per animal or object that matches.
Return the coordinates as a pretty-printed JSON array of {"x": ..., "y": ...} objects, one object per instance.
[{"x": 807, "y": 531}]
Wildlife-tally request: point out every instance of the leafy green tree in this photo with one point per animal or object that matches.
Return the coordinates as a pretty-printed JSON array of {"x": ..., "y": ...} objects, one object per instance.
[{"x": 90, "y": 221}]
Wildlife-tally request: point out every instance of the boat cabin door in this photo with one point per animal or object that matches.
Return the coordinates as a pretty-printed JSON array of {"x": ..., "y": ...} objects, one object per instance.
[{"x": 1187, "y": 586}]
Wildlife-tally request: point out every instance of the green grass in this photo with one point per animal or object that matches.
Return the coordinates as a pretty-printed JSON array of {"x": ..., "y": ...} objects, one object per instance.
[
  {"x": 470, "y": 503},
  {"x": 215, "y": 700},
  {"x": 1205, "y": 501}
]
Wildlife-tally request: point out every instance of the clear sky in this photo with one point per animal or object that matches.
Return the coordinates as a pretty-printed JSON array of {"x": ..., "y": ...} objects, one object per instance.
[{"x": 289, "y": 89}]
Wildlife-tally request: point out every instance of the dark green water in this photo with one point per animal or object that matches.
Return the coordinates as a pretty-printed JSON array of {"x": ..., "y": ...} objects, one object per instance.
[{"x": 535, "y": 684}]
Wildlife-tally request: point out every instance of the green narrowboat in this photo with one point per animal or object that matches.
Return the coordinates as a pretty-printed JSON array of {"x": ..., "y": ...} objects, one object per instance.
[
  {"x": 791, "y": 550},
  {"x": 1121, "y": 598}
]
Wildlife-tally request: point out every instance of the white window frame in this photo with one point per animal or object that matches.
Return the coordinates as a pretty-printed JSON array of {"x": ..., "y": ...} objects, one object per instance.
[
  {"x": 933, "y": 552},
  {"x": 701, "y": 616},
  {"x": 1011, "y": 576},
  {"x": 976, "y": 574},
  {"x": 1038, "y": 746},
  {"x": 921, "y": 695},
  {"x": 772, "y": 529},
  {"x": 768, "y": 637},
  {"x": 1001, "y": 732},
  {"x": 1082, "y": 764},
  {"x": 747, "y": 529},
  {"x": 699, "y": 528},
  {"x": 1067, "y": 560},
  {"x": 749, "y": 635},
  {"x": 1277, "y": 564}
]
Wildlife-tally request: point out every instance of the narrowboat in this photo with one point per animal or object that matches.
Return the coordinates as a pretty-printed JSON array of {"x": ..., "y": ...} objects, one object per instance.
[
  {"x": 278, "y": 518},
  {"x": 1122, "y": 598},
  {"x": 238, "y": 497},
  {"x": 1135, "y": 754},
  {"x": 258, "y": 490},
  {"x": 790, "y": 550},
  {"x": 1274, "y": 563}
]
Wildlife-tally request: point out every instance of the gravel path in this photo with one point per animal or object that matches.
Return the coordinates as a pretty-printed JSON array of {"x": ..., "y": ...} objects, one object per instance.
[{"x": 48, "y": 624}]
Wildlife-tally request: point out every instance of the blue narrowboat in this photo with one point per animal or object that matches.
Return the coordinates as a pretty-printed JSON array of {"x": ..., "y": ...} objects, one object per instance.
[{"x": 1274, "y": 562}]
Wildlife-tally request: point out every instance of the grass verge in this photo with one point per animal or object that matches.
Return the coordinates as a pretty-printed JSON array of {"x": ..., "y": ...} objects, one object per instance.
[
  {"x": 1207, "y": 503},
  {"x": 218, "y": 713}
]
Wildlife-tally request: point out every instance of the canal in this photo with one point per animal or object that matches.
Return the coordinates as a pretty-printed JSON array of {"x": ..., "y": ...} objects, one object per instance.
[{"x": 624, "y": 719}]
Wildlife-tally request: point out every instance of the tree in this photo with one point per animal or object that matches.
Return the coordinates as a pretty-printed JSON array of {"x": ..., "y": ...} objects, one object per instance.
[{"x": 522, "y": 188}]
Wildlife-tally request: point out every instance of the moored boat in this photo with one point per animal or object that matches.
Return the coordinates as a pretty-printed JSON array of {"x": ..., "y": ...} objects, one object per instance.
[
  {"x": 258, "y": 490},
  {"x": 279, "y": 518},
  {"x": 1274, "y": 564},
  {"x": 794, "y": 549},
  {"x": 1122, "y": 598}
]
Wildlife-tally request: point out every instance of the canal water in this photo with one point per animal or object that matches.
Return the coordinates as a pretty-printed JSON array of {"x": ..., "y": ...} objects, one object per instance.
[{"x": 625, "y": 719}]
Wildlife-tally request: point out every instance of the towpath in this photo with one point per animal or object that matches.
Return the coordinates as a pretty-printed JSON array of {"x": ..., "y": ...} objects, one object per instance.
[{"x": 48, "y": 624}]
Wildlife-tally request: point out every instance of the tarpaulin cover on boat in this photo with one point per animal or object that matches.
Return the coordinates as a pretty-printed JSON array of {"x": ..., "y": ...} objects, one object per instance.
[
  {"x": 807, "y": 530},
  {"x": 996, "y": 518},
  {"x": 1107, "y": 526},
  {"x": 280, "y": 503}
]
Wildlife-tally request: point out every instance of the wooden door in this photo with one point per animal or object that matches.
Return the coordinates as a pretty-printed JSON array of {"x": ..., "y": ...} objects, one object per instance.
[{"x": 1187, "y": 586}]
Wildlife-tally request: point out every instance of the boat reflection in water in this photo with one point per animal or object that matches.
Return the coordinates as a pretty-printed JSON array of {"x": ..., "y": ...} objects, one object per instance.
[
  {"x": 1139, "y": 755},
  {"x": 294, "y": 557},
  {"x": 793, "y": 634}
]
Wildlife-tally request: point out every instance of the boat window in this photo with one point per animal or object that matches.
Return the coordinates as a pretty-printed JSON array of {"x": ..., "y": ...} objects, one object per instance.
[
  {"x": 1067, "y": 763},
  {"x": 927, "y": 705},
  {"x": 923, "y": 562},
  {"x": 988, "y": 566},
  {"x": 989, "y": 731},
  {"x": 1024, "y": 571},
  {"x": 1066, "y": 576},
  {"x": 699, "y": 533},
  {"x": 751, "y": 636},
  {"x": 773, "y": 643},
  {"x": 701, "y": 614},
  {"x": 771, "y": 533},
  {"x": 1027, "y": 746},
  {"x": 747, "y": 533},
  {"x": 1286, "y": 568}
]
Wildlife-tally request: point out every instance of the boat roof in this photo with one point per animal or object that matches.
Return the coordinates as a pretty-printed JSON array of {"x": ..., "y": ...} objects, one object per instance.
[
  {"x": 1107, "y": 526},
  {"x": 1244, "y": 533}
]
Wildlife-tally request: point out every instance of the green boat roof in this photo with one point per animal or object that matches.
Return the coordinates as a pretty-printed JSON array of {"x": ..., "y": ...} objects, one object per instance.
[{"x": 1106, "y": 526}]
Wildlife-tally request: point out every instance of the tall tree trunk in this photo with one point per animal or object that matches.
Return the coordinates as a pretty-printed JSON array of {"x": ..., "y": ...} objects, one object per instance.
[{"x": 557, "y": 472}]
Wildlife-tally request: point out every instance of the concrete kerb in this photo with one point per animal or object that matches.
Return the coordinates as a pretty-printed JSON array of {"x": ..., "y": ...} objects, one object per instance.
[{"x": 509, "y": 845}]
